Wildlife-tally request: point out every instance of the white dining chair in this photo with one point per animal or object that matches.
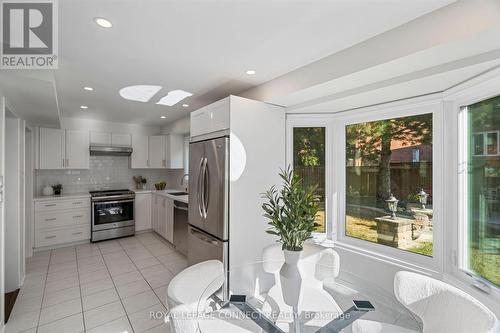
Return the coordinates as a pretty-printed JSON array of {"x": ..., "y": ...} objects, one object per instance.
[{"x": 441, "y": 307}]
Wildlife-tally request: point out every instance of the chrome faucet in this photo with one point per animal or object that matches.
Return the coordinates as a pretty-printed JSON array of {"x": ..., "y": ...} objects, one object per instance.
[{"x": 186, "y": 176}]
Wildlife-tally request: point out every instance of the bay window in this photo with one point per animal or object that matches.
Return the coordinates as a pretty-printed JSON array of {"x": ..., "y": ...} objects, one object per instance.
[
  {"x": 388, "y": 182},
  {"x": 309, "y": 163},
  {"x": 482, "y": 197}
]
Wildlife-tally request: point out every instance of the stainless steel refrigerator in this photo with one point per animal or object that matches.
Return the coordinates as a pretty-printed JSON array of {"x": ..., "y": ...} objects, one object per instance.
[{"x": 208, "y": 233}]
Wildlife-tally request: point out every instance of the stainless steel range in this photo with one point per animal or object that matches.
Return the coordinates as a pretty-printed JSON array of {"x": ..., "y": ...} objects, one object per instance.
[{"x": 112, "y": 214}]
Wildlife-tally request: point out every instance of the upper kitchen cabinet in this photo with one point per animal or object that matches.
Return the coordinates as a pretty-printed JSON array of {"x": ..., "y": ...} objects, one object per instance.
[
  {"x": 139, "y": 157},
  {"x": 110, "y": 139},
  {"x": 174, "y": 151},
  {"x": 100, "y": 138},
  {"x": 121, "y": 140},
  {"x": 60, "y": 149},
  {"x": 211, "y": 118},
  {"x": 52, "y": 150},
  {"x": 156, "y": 152},
  {"x": 77, "y": 149}
]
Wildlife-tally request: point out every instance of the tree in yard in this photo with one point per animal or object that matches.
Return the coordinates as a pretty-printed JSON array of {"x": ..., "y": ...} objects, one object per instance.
[
  {"x": 371, "y": 142},
  {"x": 309, "y": 146}
]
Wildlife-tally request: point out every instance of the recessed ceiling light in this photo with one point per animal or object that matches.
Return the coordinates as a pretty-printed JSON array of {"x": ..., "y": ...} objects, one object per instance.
[
  {"x": 102, "y": 22},
  {"x": 173, "y": 97},
  {"x": 88, "y": 88},
  {"x": 250, "y": 72},
  {"x": 84, "y": 107},
  {"x": 140, "y": 93},
  {"x": 163, "y": 117},
  {"x": 185, "y": 105}
]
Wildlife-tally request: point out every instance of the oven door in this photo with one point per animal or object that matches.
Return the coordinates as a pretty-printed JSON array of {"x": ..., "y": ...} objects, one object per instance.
[{"x": 112, "y": 214}]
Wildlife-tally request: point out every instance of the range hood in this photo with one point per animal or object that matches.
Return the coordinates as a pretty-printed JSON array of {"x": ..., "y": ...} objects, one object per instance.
[{"x": 108, "y": 150}]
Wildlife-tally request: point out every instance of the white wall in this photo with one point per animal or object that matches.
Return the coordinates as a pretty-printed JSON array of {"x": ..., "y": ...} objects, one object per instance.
[
  {"x": 179, "y": 126},
  {"x": 13, "y": 227},
  {"x": 2, "y": 205}
]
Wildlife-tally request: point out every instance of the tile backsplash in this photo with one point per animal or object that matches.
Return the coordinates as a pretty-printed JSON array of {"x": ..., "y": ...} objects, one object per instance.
[{"x": 105, "y": 172}]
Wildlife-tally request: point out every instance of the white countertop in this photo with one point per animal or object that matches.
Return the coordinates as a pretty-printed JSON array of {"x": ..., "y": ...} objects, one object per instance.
[
  {"x": 62, "y": 196},
  {"x": 166, "y": 193}
]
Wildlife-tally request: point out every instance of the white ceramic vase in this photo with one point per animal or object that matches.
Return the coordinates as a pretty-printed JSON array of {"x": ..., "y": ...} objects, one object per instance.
[
  {"x": 48, "y": 190},
  {"x": 291, "y": 280}
]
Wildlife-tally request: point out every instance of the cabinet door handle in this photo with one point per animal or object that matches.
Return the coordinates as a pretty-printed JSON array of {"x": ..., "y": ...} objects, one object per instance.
[
  {"x": 77, "y": 233},
  {"x": 63, "y": 163},
  {"x": 50, "y": 205},
  {"x": 77, "y": 203},
  {"x": 77, "y": 216},
  {"x": 52, "y": 219},
  {"x": 49, "y": 237}
]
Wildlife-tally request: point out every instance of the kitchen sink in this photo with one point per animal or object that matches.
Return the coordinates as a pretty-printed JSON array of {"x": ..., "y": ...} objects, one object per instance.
[{"x": 178, "y": 193}]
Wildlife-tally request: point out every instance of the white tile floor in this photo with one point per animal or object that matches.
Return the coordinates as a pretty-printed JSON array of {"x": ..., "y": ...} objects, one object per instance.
[{"x": 110, "y": 287}]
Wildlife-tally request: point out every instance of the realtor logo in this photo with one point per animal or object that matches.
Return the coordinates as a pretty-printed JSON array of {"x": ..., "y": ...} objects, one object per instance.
[{"x": 29, "y": 34}]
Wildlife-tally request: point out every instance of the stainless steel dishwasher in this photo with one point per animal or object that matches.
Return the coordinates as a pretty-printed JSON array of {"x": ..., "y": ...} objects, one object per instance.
[{"x": 180, "y": 226}]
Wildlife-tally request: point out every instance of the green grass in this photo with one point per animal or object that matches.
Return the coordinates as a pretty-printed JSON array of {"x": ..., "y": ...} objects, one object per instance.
[
  {"x": 486, "y": 264},
  {"x": 424, "y": 248},
  {"x": 366, "y": 229}
]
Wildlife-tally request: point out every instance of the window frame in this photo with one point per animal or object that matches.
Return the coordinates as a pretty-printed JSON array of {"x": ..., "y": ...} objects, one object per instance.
[
  {"x": 456, "y": 101},
  {"x": 389, "y": 111},
  {"x": 294, "y": 121},
  {"x": 334, "y": 124}
]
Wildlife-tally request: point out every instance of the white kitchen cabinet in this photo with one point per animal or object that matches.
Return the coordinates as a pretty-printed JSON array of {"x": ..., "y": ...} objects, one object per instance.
[
  {"x": 77, "y": 149},
  {"x": 110, "y": 139},
  {"x": 156, "y": 152},
  {"x": 100, "y": 138},
  {"x": 211, "y": 118},
  {"x": 61, "y": 221},
  {"x": 155, "y": 206},
  {"x": 60, "y": 149},
  {"x": 174, "y": 151},
  {"x": 121, "y": 140},
  {"x": 162, "y": 217},
  {"x": 139, "y": 157},
  {"x": 142, "y": 211},
  {"x": 52, "y": 150},
  {"x": 169, "y": 220}
]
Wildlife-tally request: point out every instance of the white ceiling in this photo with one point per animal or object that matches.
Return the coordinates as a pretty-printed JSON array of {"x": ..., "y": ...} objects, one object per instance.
[{"x": 203, "y": 47}]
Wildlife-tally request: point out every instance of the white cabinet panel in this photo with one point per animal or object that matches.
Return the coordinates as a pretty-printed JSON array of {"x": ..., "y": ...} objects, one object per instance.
[
  {"x": 139, "y": 158},
  {"x": 52, "y": 148},
  {"x": 142, "y": 211},
  {"x": 156, "y": 148},
  {"x": 162, "y": 217},
  {"x": 169, "y": 220},
  {"x": 211, "y": 118},
  {"x": 77, "y": 149},
  {"x": 174, "y": 151},
  {"x": 121, "y": 140},
  {"x": 100, "y": 138},
  {"x": 155, "y": 201}
]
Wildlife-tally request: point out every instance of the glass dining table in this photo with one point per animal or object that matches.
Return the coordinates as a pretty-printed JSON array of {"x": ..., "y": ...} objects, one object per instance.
[{"x": 256, "y": 297}]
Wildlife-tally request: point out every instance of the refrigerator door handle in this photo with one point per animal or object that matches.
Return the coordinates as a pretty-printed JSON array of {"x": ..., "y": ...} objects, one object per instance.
[
  {"x": 206, "y": 187},
  {"x": 198, "y": 190}
]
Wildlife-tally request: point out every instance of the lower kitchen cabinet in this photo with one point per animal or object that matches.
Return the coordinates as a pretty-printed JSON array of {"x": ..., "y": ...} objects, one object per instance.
[
  {"x": 143, "y": 211},
  {"x": 162, "y": 216},
  {"x": 60, "y": 221}
]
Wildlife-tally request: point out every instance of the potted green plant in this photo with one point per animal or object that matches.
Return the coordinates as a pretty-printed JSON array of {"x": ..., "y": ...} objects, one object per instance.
[
  {"x": 291, "y": 212},
  {"x": 57, "y": 189}
]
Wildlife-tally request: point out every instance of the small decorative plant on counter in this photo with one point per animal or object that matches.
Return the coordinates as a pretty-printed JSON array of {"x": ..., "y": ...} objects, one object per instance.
[
  {"x": 291, "y": 211},
  {"x": 160, "y": 186},
  {"x": 57, "y": 189},
  {"x": 140, "y": 182}
]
